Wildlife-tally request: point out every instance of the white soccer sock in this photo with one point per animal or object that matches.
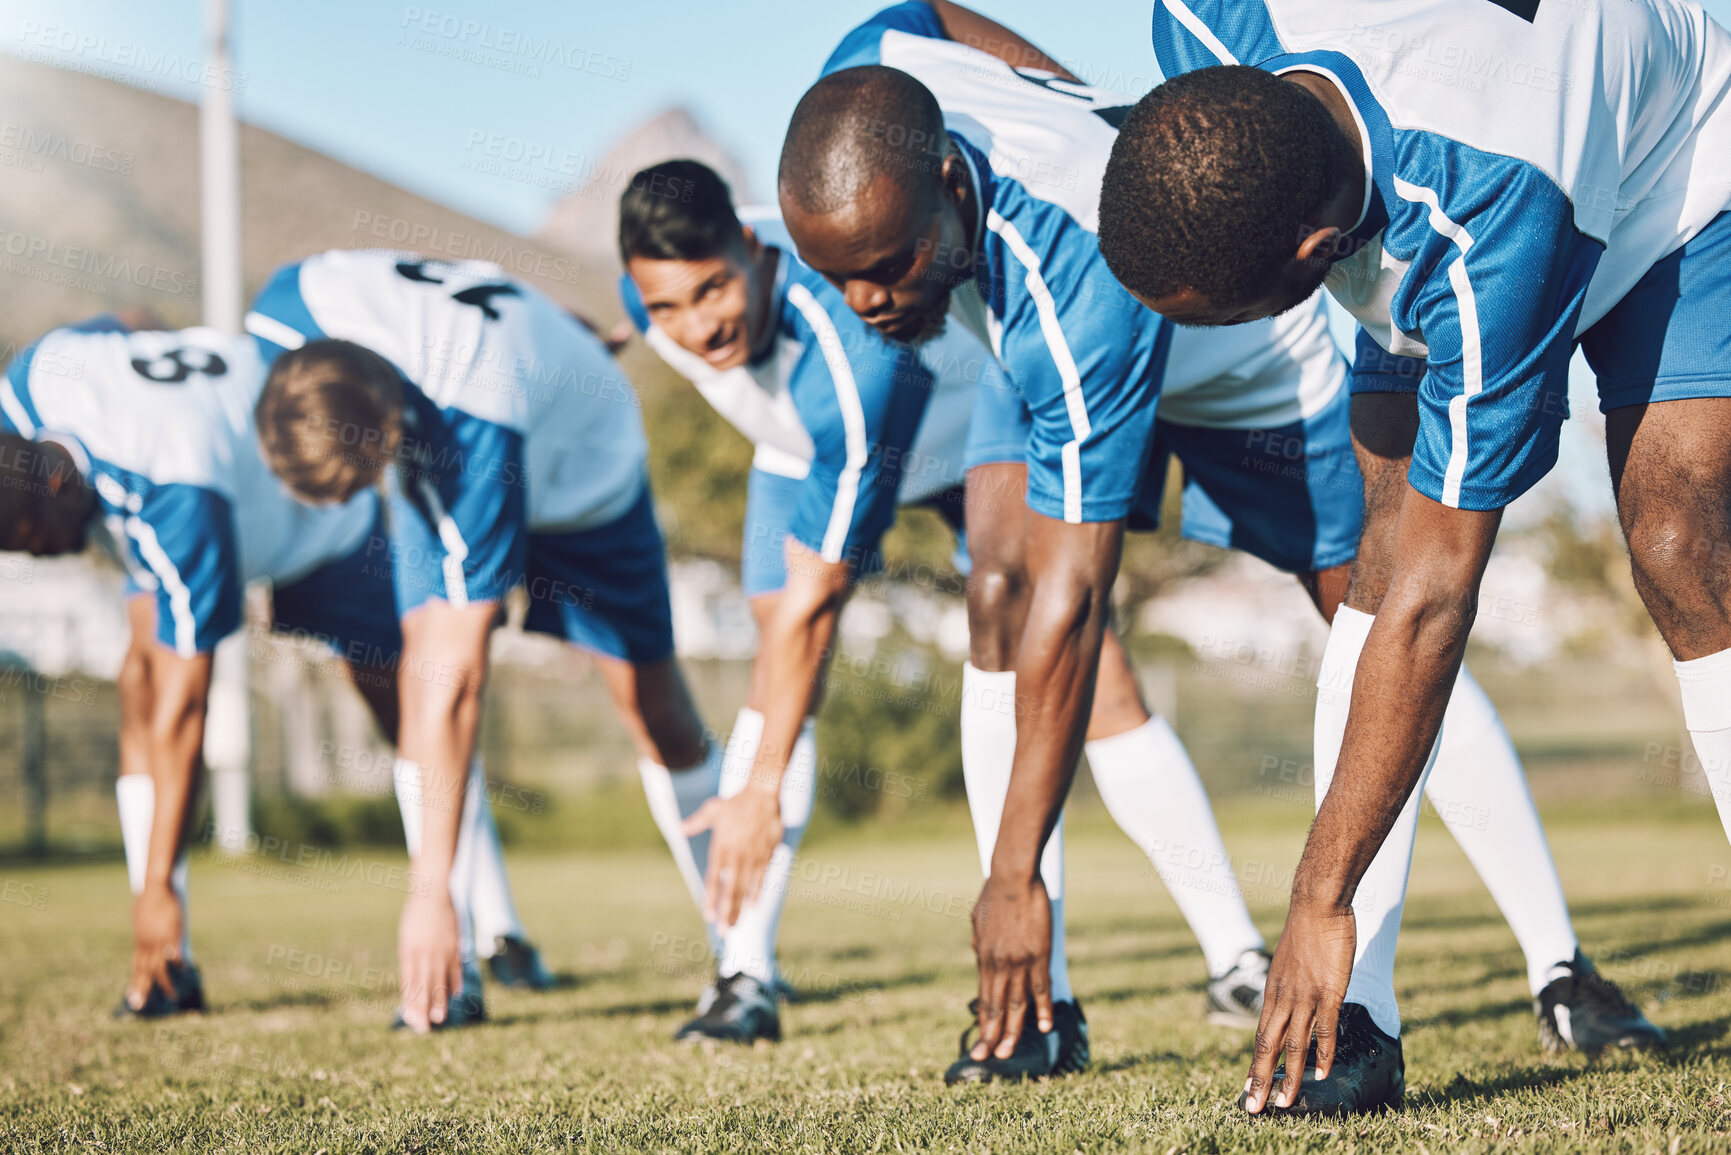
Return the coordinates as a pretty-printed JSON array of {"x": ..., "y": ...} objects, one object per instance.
[
  {"x": 1381, "y": 894},
  {"x": 750, "y": 943},
  {"x": 1706, "y": 686},
  {"x": 675, "y": 796},
  {"x": 1151, "y": 789},
  {"x": 1480, "y": 791},
  {"x": 988, "y": 731},
  {"x": 490, "y": 898},
  {"x": 135, "y": 796},
  {"x": 406, "y": 777}
]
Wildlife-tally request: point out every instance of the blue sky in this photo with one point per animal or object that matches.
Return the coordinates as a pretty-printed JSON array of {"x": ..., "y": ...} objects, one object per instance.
[{"x": 384, "y": 86}]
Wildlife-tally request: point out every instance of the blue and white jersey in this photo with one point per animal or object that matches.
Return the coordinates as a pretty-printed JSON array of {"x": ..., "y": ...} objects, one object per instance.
[
  {"x": 1089, "y": 360},
  {"x": 517, "y": 419},
  {"x": 863, "y": 423},
  {"x": 1528, "y": 162},
  {"x": 161, "y": 425}
]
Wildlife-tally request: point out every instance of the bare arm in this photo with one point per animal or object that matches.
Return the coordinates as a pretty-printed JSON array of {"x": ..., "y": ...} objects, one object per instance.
[
  {"x": 966, "y": 26},
  {"x": 1070, "y": 570},
  {"x": 444, "y": 669},
  {"x": 791, "y": 657},
  {"x": 163, "y": 701},
  {"x": 1399, "y": 694}
]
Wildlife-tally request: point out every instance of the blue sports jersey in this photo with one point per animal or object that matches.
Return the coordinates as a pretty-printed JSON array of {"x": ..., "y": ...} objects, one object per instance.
[
  {"x": 1087, "y": 358},
  {"x": 829, "y": 403},
  {"x": 161, "y": 426},
  {"x": 517, "y": 419},
  {"x": 1527, "y": 164},
  {"x": 863, "y": 423}
]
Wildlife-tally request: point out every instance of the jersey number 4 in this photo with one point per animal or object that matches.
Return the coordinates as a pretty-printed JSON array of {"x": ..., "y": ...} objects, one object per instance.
[
  {"x": 480, "y": 296},
  {"x": 172, "y": 367}
]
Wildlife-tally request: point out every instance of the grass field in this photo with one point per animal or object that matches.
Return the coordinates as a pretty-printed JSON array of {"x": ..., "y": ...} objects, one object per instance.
[{"x": 294, "y": 1055}]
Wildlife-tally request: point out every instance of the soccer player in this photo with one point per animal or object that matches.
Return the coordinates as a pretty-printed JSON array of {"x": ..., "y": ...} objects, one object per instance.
[
  {"x": 848, "y": 426},
  {"x": 512, "y": 452},
  {"x": 1483, "y": 186},
  {"x": 142, "y": 442},
  {"x": 912, "y": 220}
]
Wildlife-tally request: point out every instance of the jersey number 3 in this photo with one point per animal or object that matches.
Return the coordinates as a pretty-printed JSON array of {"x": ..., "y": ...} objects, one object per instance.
[{"x": 172, "y": 367}]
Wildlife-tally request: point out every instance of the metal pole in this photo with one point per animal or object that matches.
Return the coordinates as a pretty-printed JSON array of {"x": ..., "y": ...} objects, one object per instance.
[
  {"x": 219, "y": 167},
  {"x": 35, "y": 765},
  {"x": 228, "y": 722}
]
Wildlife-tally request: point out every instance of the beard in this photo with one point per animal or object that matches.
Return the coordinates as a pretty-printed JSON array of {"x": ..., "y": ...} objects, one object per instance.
[{"x": 928, "y": 322}]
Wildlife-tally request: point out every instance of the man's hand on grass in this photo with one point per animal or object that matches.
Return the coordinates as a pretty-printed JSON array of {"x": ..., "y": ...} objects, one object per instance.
[
  {"x": 1306, "y": 985},
  {"x": 1013, "y": 947},
  {"x": 429, "y": 962},
  {"x": 156, "y": 927}
]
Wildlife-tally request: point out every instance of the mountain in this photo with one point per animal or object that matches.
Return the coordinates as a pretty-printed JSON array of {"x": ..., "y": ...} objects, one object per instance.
[
  {"x": 586, "y": 222},
  {"x": 99, "y": 205}
]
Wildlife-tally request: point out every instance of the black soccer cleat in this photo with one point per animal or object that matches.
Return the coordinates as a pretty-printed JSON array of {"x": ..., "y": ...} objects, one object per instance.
[
  {"x": 742, "y": 1011},
  {"x": 464, "y": 1009},
  {"x": 1062, "y": 1051},
  {"x": 1368, "y": 1074},
  {"x": 516, "y": 963},
  {"x": 1071, "y": 1027},
  {"x": 1235, "y": 998},
  {"x": 188, "y": 996},
  {"x": 1584, "y": 1011}
]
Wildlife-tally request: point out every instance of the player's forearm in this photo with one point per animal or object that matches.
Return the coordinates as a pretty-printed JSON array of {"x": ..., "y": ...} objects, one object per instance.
[
  {"x": 795, "y": 647},
  {"x": 966, "y": 26},
  {"x": 1400, "y": 691},
  {"x": 176, "y": 746},
  {"x": 441, "y": 718},
  {"x": 1071, "y": 569}
]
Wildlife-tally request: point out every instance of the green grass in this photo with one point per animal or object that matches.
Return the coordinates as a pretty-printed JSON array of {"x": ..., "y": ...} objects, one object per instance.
[{"x": 294, "y": 1055}]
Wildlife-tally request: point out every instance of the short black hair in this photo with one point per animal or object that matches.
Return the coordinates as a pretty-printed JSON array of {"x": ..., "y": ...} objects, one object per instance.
[
  {"x": 1211, "y": 178},
  {"x": 857, "y": 125},
  {"x": 678, "y": 210}
]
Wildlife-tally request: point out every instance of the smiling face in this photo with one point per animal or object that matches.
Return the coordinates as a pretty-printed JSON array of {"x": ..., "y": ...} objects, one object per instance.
[
  {"x": 706, "y": 306},
  {"x": 895, "y": 254}
]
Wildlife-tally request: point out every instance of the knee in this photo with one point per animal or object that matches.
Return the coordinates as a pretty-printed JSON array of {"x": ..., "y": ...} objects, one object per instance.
[
  {"x": 995, "y": 594},
  {"x": 1676, "y": 552},
  {"x": 134, "y": 676}
]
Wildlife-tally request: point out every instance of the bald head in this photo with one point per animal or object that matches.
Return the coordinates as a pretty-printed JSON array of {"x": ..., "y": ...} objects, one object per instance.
[{"x": 856, "y": 128}]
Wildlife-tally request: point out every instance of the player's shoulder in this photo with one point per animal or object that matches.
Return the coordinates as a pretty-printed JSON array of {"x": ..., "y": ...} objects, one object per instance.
[
  {"x": 167, "y": 407},
  {"x": 864, "y": 43}
]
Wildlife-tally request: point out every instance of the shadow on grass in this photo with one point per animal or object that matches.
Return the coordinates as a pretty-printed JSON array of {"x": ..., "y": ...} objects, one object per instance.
[
  {"x": 1693, "y": 1040},
  {"x": 1460, "y": 1016},
  {"x": 1463, "y": 1088}
]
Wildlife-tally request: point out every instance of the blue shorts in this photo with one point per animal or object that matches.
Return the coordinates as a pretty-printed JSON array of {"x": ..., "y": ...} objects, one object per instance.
[
  {"x": 1291, "y": 495},
  {"x": 349, "y": 604},
  {"x": 604, "y": 589},
  {"x": 1669, "y": 338}
]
